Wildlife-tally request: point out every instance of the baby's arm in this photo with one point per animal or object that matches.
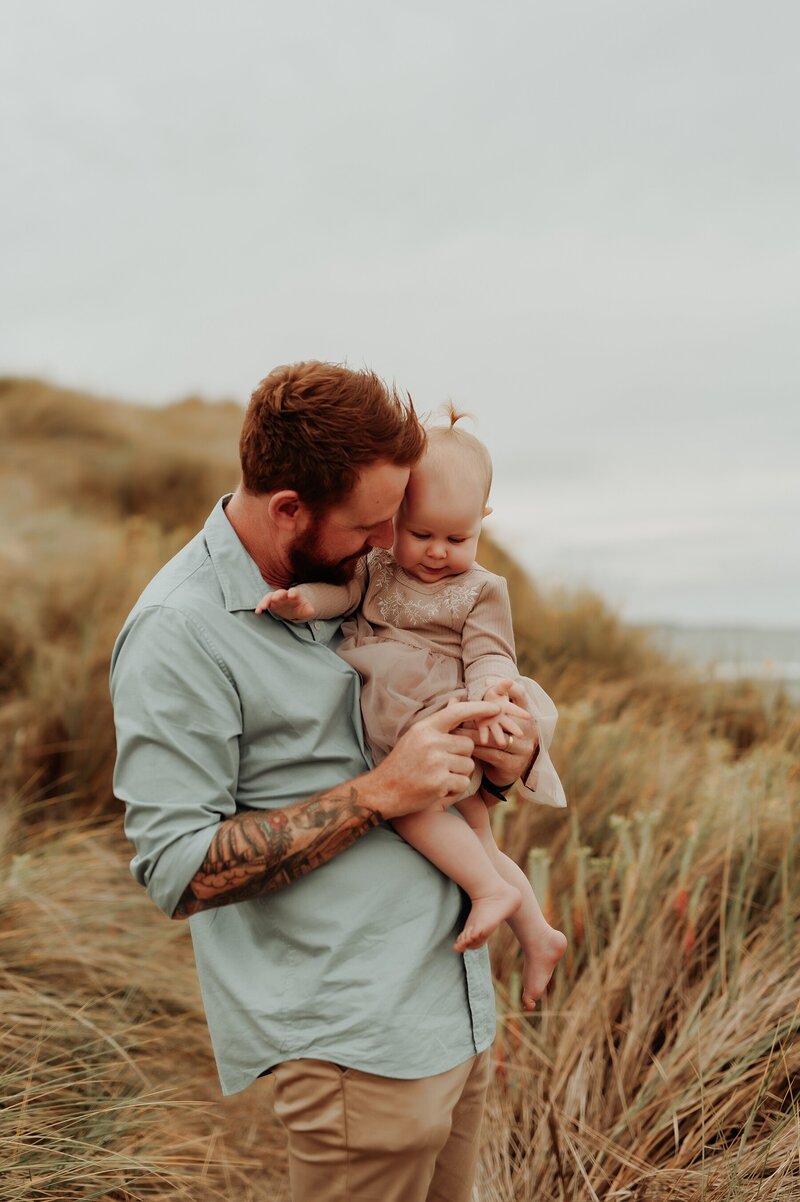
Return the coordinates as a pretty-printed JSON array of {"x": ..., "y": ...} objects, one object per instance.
[
  {"x": 488, "y": 642},
  {"x": 302, "y": 602},
  {"x": 487, "y": 638},
  {"x": 490, "y": 666},
  {"x": 296, "y": 604}
]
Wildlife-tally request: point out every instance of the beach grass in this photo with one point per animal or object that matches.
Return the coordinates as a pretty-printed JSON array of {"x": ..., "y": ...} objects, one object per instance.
[{"x": 664, "y": 1061}]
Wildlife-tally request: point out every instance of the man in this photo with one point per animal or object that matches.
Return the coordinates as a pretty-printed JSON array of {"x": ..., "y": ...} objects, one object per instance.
[{"x": 323, "y": 942}]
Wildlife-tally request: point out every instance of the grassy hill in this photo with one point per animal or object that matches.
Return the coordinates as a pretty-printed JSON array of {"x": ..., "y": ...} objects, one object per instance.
[{"x": 664, "y": 1061}]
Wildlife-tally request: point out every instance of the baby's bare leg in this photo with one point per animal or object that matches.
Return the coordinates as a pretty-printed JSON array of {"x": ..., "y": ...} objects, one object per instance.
[
  {"x": 542, "y": 945},
  {"x": 454, "y": 847}
]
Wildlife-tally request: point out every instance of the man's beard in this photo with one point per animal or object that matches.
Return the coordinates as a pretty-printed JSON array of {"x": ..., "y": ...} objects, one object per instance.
[{"x": 309, "y": 564}]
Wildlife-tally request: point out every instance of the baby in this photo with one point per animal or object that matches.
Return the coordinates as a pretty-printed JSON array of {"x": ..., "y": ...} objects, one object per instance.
[{"x": 432, "y": 625}]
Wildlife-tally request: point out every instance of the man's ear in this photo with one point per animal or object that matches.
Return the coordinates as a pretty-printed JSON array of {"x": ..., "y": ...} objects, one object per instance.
[
  {"x": 487, "y": 510},
  {"x": 285, "y": 507}
]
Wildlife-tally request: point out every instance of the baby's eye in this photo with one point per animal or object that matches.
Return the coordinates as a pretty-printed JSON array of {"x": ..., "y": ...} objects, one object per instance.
[
  {"x": 417, "y": 534},
  {"x": 453, "y": 539}
]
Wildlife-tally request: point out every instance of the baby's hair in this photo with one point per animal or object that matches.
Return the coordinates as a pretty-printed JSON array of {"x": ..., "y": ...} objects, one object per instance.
[{"x": 443, "y": 441}]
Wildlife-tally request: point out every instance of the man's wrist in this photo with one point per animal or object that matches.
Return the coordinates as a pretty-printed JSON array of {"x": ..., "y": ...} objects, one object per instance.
[
  {"x": 377, "y": 796},
  {"x": 494, "y": 785},
  {"x": 498, "y": 791}
]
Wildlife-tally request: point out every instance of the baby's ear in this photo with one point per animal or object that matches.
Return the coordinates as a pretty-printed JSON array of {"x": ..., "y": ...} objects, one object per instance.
[{"x": 487, "y": 510}]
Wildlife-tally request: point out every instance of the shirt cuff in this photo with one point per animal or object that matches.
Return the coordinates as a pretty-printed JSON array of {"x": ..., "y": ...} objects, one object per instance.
[{"x": 176, "y": 865}]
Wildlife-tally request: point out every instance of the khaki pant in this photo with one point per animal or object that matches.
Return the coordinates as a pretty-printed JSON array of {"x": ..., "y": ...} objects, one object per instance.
[{"x": 355, "y": 1137}]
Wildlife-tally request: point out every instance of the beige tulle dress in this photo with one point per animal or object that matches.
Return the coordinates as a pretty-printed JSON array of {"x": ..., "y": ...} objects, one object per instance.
[{"x": 416, "y": 645}]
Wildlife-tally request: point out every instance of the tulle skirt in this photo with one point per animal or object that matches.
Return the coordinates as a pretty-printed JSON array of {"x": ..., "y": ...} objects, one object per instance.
[{"x": 400, "y": 683}]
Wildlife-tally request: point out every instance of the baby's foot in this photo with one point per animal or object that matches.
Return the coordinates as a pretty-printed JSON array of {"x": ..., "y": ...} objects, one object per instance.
[
  {"x": 539, "y": 965},
  {"x": 486, "y": 915}
]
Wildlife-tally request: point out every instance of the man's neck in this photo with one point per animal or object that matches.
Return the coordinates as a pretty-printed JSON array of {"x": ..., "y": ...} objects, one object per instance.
[{"x": 251, "y": 523}]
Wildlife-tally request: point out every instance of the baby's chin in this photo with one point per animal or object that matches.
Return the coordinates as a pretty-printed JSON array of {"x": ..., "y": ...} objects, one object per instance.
[{"x": 427, "y": 575}]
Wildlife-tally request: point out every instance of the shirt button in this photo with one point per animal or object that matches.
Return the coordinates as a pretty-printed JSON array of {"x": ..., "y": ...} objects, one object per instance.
[{"x": 316, "y": 625}]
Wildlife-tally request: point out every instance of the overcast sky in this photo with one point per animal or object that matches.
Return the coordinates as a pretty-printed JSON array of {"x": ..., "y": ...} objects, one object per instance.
[{"x": 577, "y": 219}]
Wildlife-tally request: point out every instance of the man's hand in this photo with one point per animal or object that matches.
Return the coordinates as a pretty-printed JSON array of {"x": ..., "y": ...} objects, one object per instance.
[
  {"x": 288, "y": 603},
  {"x": 431, "y": 761},
  {"x": 503, "y": 766}
]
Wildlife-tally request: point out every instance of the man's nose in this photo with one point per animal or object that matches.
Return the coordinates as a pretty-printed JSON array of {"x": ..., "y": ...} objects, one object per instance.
[{"x": 383, "y": 536}]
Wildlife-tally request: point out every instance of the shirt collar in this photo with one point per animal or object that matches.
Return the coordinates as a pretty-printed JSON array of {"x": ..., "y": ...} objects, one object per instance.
[{"x": 240, "y": 580}]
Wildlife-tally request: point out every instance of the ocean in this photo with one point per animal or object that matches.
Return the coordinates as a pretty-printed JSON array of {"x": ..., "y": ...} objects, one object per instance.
[{"x": 735, "y": 652}]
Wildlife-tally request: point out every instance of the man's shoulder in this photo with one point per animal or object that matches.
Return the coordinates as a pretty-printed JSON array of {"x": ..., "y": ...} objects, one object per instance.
[
  {"x": 187, "y": 583},
  {"x": 184, "y": 579},
  {"x": 175, "y": 613}
]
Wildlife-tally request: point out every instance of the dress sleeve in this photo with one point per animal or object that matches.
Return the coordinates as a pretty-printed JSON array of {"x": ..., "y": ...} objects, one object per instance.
[
  {"x": 178, "y": 719},
  {"x": 488, "y": 652},
  {"x": 542, "y": 783},
  {"x": 487, "y": 639},
  {"x": 336, "y": 600}
]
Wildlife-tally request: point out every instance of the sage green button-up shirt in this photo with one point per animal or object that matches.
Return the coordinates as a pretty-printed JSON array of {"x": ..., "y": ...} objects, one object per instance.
[{"x": 218, "y": 710}]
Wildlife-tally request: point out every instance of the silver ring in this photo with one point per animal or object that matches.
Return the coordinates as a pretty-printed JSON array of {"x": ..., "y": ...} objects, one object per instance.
[{"x": 510, "y": 742}]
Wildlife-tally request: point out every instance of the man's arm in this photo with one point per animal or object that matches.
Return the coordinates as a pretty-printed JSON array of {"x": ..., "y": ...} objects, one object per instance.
[
  {"x": 260, "y": 851},
  {"x": 179, "y": 724}
]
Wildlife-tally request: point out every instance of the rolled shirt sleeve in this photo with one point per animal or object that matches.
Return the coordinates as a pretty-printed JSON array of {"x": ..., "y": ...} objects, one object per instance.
[{"x": 179, "y": 720}]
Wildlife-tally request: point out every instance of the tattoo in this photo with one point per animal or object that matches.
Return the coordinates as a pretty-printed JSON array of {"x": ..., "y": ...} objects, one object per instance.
[{"x": 259, "y": 851}]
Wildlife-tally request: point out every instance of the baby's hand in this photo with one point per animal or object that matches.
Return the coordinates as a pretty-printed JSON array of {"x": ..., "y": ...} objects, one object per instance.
[
  {"x": 287, "y": 603},
  {"x": 500, "y": 727}
]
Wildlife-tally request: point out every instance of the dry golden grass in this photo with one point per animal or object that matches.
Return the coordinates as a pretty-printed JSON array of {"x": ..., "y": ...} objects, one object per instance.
[
  {"x": 665, "y": 1060},
  {"x": 108, "y": 1083}
]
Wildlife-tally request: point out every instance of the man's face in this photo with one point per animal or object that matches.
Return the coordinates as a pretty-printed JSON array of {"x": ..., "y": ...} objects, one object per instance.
[{"x": 331, "y": 543}]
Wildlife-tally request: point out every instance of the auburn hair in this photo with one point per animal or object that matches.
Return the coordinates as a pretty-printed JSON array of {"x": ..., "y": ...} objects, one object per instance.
[{"x": 314, "y": 426}]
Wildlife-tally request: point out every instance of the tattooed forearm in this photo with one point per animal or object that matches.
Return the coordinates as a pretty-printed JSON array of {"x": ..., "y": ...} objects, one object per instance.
[{"x": 259, "y": 851}]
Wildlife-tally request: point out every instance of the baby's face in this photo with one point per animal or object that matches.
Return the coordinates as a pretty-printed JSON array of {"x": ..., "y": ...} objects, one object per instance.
[{"x": 437, "y": 527}]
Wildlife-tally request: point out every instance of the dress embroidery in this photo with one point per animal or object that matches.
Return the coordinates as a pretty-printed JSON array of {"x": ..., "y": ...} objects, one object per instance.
[{"x": 397, "y": 608}]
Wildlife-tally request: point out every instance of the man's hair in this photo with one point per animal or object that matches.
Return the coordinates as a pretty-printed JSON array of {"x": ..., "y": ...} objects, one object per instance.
[
  {"x": 452, "y": 449},
  {"x": 314, "y": 426}
]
